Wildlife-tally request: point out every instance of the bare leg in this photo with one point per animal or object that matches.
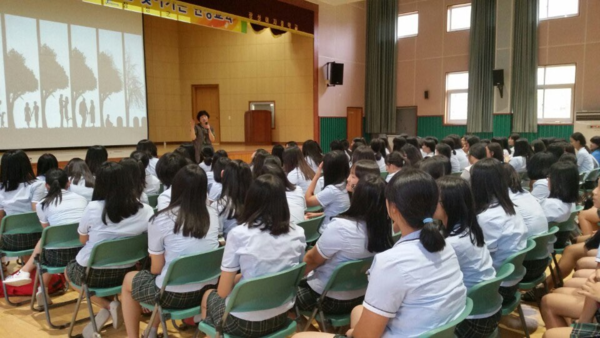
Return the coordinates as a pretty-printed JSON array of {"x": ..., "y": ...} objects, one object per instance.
[
  {"x": 101, "y": 302},
  {"x": 568, "y": 290},
  {"x": 30, "y": 264},
  {"x": 555, "y": 307},
  {"x": 131, "y": 309},
  {"x": 561, "y": 332},
  {"x": 586, "y": 263},
  {"x": 589, "y": 310},
  {"x": 355, "y": 315},
  {"x": 588, "y": 221},
  {"x": 568, "y": 260},
  {"x": 584, "y": 273}
]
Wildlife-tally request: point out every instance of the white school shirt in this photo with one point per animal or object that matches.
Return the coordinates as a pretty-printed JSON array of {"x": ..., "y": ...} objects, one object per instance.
[
  {"x": 454, "y": 163},
  {"x": 67, "y": 211},
  {"x": 531, "y": 211},
  {"x": 257, "y": 253},
  {"x": 557, "y": 210},
  {"x": 334, "y": 199},
  {"x": 462, "y": 158},
  {"x": 344, "y": 240},
  {"x": 321, "y": 184},
  {"x": 39, "y": 188},
  {"x": 475, "y": 262},
  {"x": 381, "y": 164},
  {"x": 205, "y": 167},
  {"x": 297, "y": 204},
  {"x": 390, "y": 176},
  {"x": 423, "y": 154},
  {"x": 466, "y": 174},
  {"x": 17, "y": 201},
  {"x": 314, "y": 166},
  {"x": 296, "y": 177},
  {"x": 225, "y": 224},
  {"x": 585, "y": 161},
  {"x": 416, "y": 289},
  {"x": 506, "y": 153},
  {"x": 91, "y": 224},
  {"x": 210, "y": 179},
  {"x": 504, "y": 234},
  {"x": 81, "y": 190},
  {"x": 215, "y": 191},
  {"x": 152, "y": 185},
  {"x": 162, "y": 240},
  {"x": 164, "y": 199},
  {"x": 540, "y": 189},
  {"x": 519, "y": 163},
  {"x": 151, "y": 168}
]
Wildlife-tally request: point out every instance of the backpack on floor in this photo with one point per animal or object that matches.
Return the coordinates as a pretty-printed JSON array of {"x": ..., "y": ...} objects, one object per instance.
[{"x": 57, "y": 283}]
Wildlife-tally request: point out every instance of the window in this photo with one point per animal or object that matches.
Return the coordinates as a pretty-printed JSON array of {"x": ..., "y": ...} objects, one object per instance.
[
  {"x": 553, "y": 9},
  {"x": 457, "y": 93},
  {"x": 459, "y": 17},
  {"x": 408, "y": 25},
  {"x": 555, "y": 93}
]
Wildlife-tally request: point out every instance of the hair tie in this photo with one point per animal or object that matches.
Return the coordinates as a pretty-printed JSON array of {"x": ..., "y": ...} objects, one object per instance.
[{"x": 427, "y": 220}]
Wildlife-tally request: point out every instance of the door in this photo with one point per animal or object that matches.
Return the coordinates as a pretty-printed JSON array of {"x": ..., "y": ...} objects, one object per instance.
[
  {"x": 406, "y": 121},
  {"x": 206, "y": 97},
  {"x": 354, "y": 123}
]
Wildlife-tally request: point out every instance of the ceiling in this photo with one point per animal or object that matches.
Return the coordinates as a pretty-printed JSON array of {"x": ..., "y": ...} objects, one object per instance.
[{"x": 335, "y": 2}]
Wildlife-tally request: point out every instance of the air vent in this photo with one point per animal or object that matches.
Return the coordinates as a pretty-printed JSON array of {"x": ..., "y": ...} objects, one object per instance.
[{"x": 587, "y": 115}]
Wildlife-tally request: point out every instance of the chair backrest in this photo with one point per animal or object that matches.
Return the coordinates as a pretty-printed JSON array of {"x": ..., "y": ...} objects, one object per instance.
[
  {"x": 120, "y": 251},
  {"x": 197, "y": 268},
  {"x": 517, "y": 259},
  {"x": 569, "y": 224},
  {"x": 384, "y": 174},
  {"x": 27, "y": 223},
  {"x": 541, "y": 245},
  {"x": 583, "y": 177},
  {"x": 350, "y": 276},
  {"x": 265, "y": 292},
  {"x": 60, "y": 236},
  {"x": 593, "y": 175},
  {"x": 447, "y": 331},
  {"x": 485, "y": 295},
  {"x": 153, "y": 200},
  {"x": 311, "y": 228}
]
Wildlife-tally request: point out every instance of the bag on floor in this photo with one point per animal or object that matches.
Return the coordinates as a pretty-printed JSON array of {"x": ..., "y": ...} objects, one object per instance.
[{"x": 57, "y": 283}]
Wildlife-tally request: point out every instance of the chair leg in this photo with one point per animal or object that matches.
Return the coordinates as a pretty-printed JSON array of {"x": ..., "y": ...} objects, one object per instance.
[
  {"x": 181, "y": 327},
  {"x": 6, "y": 291},
  {"x": 523, "y": 322},
  {"x": 152, "y": 318},
  {"x": 35, "y": 287},
  {"x": 310, "y": 319},
  {"x": 88, "y": 296},
  {"x": 553, "y": 274},
  {"x": 74, "y": 319},
  {"x": 558, "y": 272},
  {"x": 163, "y": 323},
  {"x": 322, "y": 322}
]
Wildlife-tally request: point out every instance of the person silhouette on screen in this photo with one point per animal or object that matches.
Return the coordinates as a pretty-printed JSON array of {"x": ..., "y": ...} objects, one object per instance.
[
  {"x": 92, "y": 113},
  {"x": 61, "y": 104},
  {"x": 27, "y": 114},
  {"x": 107, "y": 123},
  {"x": 36, "y": 113},
  {"x": 83, "y": 112},
  {"x": 66, "y": 110}
]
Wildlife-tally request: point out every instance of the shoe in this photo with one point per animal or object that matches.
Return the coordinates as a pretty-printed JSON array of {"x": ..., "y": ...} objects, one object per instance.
[
  {"x": 39, "y": 298},
  {"x": 101, "y": 319},
  {"x": 18, "y": 279},
  {"x": 116, "y": 314}
]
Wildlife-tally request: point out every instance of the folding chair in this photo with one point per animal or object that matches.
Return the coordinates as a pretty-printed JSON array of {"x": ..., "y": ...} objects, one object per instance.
[
  {"x": 384, "y": 174},
  {"x": 447, "y": 331},
  {"x": 540, "y": 251},
  {"x": 153, "y": 201},
  {"x": 311, "y": 228},
  {"x": 564, "y": 230}
]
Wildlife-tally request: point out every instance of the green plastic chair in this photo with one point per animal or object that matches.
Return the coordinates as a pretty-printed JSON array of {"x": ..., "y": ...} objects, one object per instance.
[
  {"x": 485, "y": 296},
  {"x": 122, "y": 251},
  {"x": 153, "y": 201},
  {"x": 348, "y": 276},
  {"x": 564, "y": 228},
  {"x": 198, "y": 268},
  {"x": 447, "y": 331},
  {"x": 316, "y": 208},
  {"x": 53, "y": 237},
  {"x": 582, "y": 179},
  {"x": 27, "y": 223},
  {"x": 539, "y": 252},
  {"x": 396, "y": 237},
  {"x": 384, "y": 174},
  {"x": 311, "y": 228},
  {"x": 261, "y": 293}
]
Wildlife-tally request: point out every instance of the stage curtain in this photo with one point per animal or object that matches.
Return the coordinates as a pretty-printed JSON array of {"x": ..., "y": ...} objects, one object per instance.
[
  {"x": 482, "y": 50},
  {"x": 524, "y": 72},
  {"x": 380, "y": 81}
]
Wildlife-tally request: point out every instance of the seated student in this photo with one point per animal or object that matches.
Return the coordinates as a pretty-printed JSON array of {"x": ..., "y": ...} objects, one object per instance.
[
  {"x": 476, "y": 153},
  {"x": 81, "y": 178},
  {"x": 45, "y": 163},
  {"x": 494, "y": 150},
  {"x": 563, "y": 181},
  {"x": 210, "y": 175},
  {"x": 313, "y": 154},
  {"x": 293, "y": 193},
  {"x": 265, "y": 223},
  {"x": 428, "y": 147},
  {"x": 521, "y": 155},
  {"x": 167, "y": 167},
  {"x": 333, "y": 198},
  {"x": 503, "y": 142},
  {"x": 291, "y": 144},
  {"x": 58, "y": 207},
  {"x": 583, "y": 327},
  {"x": 398, "y": 143},
  {"x": 149, "y": 148},
  {"x": 363, "y": 152},
  {"x": 94, "y": 157},
  {"x": 152, "y": 186},
  {"x": 394, "y": 163},
  {"x": 360, "y": 232},
  {"x": 207, "y": 154},
  {"x": 136, "y": 172},
  {"x": 258, "y": 159},
  {"x": 456, "y": 210},
  {"x": 538, "y": 146},
  {"x": 446, "y": 148},
  {"x": 512, "y": 139},
  {"x": 503, "y": 228},
  {"x": 236, "y": 180},
  {"x": 585, "y": 161},
  {"x": 187, "y": 226},
  {"x": 277, "y": 151},
  {"x": 595, "y": 147},
  {"x": 378, "y": 147},
  {"x": 360, "y": 170},
  {"x": 538, "y": 168},
  {"x": 557, "y": 148},
  {"x": 298, "y": 171},
  {"x": 413, "y": 154},
  {"x": 436, "y": 166},
  {"x": 346, "y": 146},
  {"x": 470, "y": 141},
  {"x": 115, "y": 212},
  {"x": 460, "y": 153},
  {"x": 216, "y": 188}
]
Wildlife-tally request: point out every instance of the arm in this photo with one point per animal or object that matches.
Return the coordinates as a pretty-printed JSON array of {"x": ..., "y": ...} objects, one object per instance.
[
  {"x": 370, "y": 325},
  {"x": 193, "y": 130},
  {"x": 158, "y": 262},
  {"x": 311, "y": 199},
  {"x": 313, "y": 260},
  {"x": 211, "y": 136},
  {"x": 45, "y": 225},
  {"x": 83, "y": 238},
  {"x": 226, "y": 283}
]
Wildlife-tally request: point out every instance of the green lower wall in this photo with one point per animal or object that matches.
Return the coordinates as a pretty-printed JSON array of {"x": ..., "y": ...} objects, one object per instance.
[{"x": 332, "y": 128}]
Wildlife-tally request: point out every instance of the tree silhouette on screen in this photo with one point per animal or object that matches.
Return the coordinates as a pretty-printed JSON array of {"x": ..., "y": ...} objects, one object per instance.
[
  {"x": 110, "y": 79},
  {"x": 20, "y": 80},
  {"x": 134, "y": 87},
  {"x": 52, "y": 77},
  {"x": 83, "y": 80}
]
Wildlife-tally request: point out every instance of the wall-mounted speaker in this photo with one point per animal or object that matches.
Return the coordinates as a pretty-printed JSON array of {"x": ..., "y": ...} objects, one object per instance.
[
  {"x": 334, "y": 73},
  {"x": 426, "y": 94}
]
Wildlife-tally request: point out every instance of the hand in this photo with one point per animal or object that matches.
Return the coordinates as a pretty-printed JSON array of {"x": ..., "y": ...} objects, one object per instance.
[
  {"x": 591, "y": 289},
  {"x": 206, "y": 126},
  {"x": 350, "y": 333},
  {"x": 310, "y": 215}
]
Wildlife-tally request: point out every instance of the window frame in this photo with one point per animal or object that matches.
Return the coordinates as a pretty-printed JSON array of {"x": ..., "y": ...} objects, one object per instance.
[
  {"x": 398, "y": 37},
  {"x": 449, "y": 92},
  {"x": 449, "y": 16},
  {"x": 557, "y": 16},
  {"x": 571, "y": 86}
]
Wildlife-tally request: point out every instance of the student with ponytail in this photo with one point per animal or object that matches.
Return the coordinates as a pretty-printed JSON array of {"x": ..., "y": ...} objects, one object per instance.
[
  {"x": 237, "y": 178},
  {"x": 394, "y": 163},
  {"x": 81, "y": 178},
  {"x": 45, "y": 163},
  {"x": 293, "y": 193},
  {"x": 585, "y": 161}
]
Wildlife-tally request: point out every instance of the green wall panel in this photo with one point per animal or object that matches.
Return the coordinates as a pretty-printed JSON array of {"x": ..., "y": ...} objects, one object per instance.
[
  {"x": 434, "y": 126},
  {"x": 332, "y": 128}
]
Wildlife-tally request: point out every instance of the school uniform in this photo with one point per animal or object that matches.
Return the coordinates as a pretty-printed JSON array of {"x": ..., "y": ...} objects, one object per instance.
[
  {"x": 531, "y": 211},
  {"x": 466, "y": 174},
  {"x": 164, "y": 199},
  {"x": 462, "y": 158},
  {"x": 210, "y": 179},
  {"x": 425, "y": 155},
  {"x": 519, "y": 163},
  {"x": 506, "y": 153},
  {"x": 454, "y": 163},
  {"x": 39, "y": 188},
  {"x": 215, "y": 191},
  {"x": 225, "y": 223},
  {"x": 334, "y": 199},
  {"x": 205, "y": 167},
  {"x": 163, "y": 241},
  {"x": 596, "y": 155},
  {"x": 320, "y": 184},
  {"x": 344, "y": 240},
  {"x": 297, "y": 204},
  {"x": 585, "y": 161},
  {"x": 540, "y": 189},
  {"x": 389, "y": 177},
  {"x": 17, "y": 202},
  {"x": 415, "y": 289},
  {"x": 381, "y": 164},
  {"x": 311, "y": 163},
  {"x": 256, "y": 253},
  {"x": 151, "y": 168},
  {"x": 144, "y": 198},
  {"x": 152, "y": 185},
  {"x": 297, "y": 177},
  {"x": 81, "y": 190},
  {"x": 92, "y": 225},
  {"x": 557, "y": 211}
]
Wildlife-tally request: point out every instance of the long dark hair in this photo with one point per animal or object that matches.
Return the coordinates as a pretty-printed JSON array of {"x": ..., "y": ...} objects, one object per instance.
[
  {"x": 512, "y": 178},
  {"x": 142, "y": 157},
  {"x": 368, "y": 205},
  {"x": 436, "y": 166},
  {"x": 538, "y": 166},
  {"x": 538, "y": 146},
  {"x": 236, "y": 180},
  {"x": 218, "y": 167},
  {"x": 266, "y": 206},
  {"x": 95, "y": 156},
  {"x": 137, "y": 174},
  {"x": 293, "y": 158},
  {"x": 148, "y": 147},
  {"x": 311, "y": 149},
  {"x": 449, "y": 142},
  {"x": 489, "y": 187},
  {"x": 415, "y": 195},
  {"x": 363, "y": 153},
  {"x": 77, "y": 170},
  {"x": 277, "y": 171},
  {"x": 413, "y": 154},
  {"x": 502, "y": 141},
  {"x": 258, "y": 160},
  {"x": 189, "y": 194},
  {"x": 57, "y": 180},
  {"x": 363, "y": 168},
  {"x": 277, "y": 151},
  {"x": 207, "y": 154},
  {"x": 45, "y": 163},
  {"x": 378, "y": 147},
  {"x": 457, "y": 200},
  {"x": 564, "y": 182},
  {"x": 522, "y": 148},
  {"x": 444, "y": 149},
  {"x": 335, "y": 168},
  {"x": 167, "y": 167},
  {"x": 115, "y": 187},
  {"x": 577, "y": 136},
  {"x": 496, "y": 151},
  {"x": 15, "y": 169},
  {"x": 398, "y": 142}
]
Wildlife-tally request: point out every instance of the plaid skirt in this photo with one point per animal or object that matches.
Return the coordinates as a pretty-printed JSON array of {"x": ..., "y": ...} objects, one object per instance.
[
  {"x": 508, "y": 293},
  {"x": 239, "y": 327},
  {"x": 307, "y": 300},
  {"x": 475, "y": 328},
  {"x": 99, "y": 278},
  {"x": 144, "y": 290},
  {"x": 535, "y": 268},
  {"x": 59, "y": 257},
  {"x": 585, "y": 330},
  {"x": 19, "y": 242}
]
